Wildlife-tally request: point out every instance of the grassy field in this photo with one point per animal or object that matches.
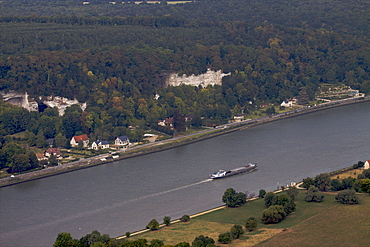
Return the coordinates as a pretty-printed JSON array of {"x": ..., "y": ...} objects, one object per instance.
[{"x": 312, "y": 224}]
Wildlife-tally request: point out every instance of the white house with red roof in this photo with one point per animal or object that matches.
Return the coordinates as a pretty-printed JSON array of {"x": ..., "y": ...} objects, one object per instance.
[
  {"x": 366, "y": 165},
  {"x": 52, "y": 151},
  {"x": 82, "y": 138}
]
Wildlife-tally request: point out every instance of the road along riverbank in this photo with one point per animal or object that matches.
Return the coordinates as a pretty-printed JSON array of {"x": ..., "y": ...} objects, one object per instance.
[{"x": 173, "y": 142}]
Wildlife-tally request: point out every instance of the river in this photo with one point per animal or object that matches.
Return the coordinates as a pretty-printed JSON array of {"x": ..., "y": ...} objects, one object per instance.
[{"x": 125, "y": 195}]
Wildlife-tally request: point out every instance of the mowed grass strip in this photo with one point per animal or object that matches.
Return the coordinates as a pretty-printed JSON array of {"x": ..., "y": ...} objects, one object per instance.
[
  {"x": 337, "y": 225},
  {"x": 312, "y": 224}
]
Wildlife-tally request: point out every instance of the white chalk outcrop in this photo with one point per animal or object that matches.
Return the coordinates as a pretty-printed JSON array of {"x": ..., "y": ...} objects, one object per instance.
[
  {"x": 208, "y": 78},
  {"x": 30, "y": 104}
]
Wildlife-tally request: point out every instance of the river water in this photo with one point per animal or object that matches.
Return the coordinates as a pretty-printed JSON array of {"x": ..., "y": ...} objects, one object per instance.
[{"x": 125, "y": 195}]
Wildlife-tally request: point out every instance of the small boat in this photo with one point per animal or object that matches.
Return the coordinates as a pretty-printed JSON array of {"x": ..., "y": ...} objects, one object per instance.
[{"x": 222, "y": 173}]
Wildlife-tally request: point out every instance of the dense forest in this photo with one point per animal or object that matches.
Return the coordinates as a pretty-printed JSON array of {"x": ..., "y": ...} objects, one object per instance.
[{"x": 115, "y": 57}]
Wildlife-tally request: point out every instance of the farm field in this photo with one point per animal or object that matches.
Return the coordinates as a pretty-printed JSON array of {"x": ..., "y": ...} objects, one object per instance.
[{"x": 312, "y": 224}]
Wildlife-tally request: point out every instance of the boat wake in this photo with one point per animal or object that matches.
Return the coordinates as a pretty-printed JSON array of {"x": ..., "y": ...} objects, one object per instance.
[{"x": 99, "y": 210}]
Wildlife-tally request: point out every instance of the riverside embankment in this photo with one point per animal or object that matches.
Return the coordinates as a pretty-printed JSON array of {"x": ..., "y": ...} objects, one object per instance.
[{"x": 173, "y": 142}]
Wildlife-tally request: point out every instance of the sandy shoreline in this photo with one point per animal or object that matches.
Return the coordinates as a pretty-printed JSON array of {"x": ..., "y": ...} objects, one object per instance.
[{"x": 171, "y": 143}]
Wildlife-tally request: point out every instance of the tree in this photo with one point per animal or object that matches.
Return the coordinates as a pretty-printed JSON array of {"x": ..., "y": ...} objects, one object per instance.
[
  {"x": 347, "y": 197},
  {"x": 40, "y": 140},
  {"x": 314, "y": 195},
  {"x": 307, "y": 182},
  {"x": 64, "y": 239},
  {"x": 167, "y": 220},
  {"x": 292, "y": 192},
  {"x": 156, "y": 243},
  {"x": 224, "y": 238},
  {"x": 53, "y": 160},
  {"x": 251, "y": 224},
  {"x": 347, "y": 183},
  {"x": 232, "y": 198},
  {"x": 21, "y": 162},
  {"x": 365, "y": 185},
  {"x": 262, "y": 193},
  {"x": 322, "y": 181},
  {"x": 153, "y": 225},
  {"x": 273, "y": 214},
  {"x": 34, "y": 162},
  {"x": 185, "y": 218},
  {"x": 182, "y": 244},
  {"x": 236, "y": 231},
  {"x": 336, "y": 184},
  {"x": 269, "y": 199},
  {"x": 202, "y": 241}
]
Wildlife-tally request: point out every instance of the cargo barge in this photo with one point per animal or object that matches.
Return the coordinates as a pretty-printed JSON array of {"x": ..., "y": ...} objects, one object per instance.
[{"x": 244, "y": 169}]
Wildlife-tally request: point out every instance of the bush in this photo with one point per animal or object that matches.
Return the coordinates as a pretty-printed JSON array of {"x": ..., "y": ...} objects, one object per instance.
[
  {"x": 314, "y": 195},
  {"x": 347, "y": 197},
  {"x": 307, "y": 182},
  {"x": 273, "y": 214},
  {"x": 262, "y": 193},
  {"x": 336, "y": 184},
  {"x": 292, "y": 192},
  {"x": 224, "y": 238},
  {"x": 322, "y": 181},
  {"x": 236, "y": 231},
  {"x": 185, "y": 218},
  {"x": 202, "y": 241},
  {"x": 269, "y": 199},
  {"x": 167, "y": 220},
  {"x": 233, "y": 199},
  {"x": 153, "y": 225},
  {"x": 251, "y": 224},
  {"x": 128, "y": 234}
]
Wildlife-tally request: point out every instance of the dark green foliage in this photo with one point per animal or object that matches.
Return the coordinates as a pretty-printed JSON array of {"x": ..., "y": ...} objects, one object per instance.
[
  {"x": 348, "y": 183},
  {"x": 307, "y": 182},
  {"x": 314, "y": 195},
  {"x": 273, "y": 214},
  {"x": 65, "y": 240},
  {"x": 182, "y": 244},
  {"x": 292, "y": 192},
  {"x": 225, "y": 238},
  {"x": 269, "y": 199},
  {"x": 365, "y": 185},
  {"x": 322, "y": 182},
  {"x": 233, "y": 199},
  {"x": 156, "y": 243},
  {"x": 185, "y": 218},
  {"x": 236, "y": 231},
  {"x": 251, "y": 224},
  {"x": 202, "y": 241},
  {"x": 347, "y": 197},
  {"x": 366, "y": 173},
  {"x": 153, "y": 225},
  {"x": 336, "y": 184},
  {"x": 262, "y": 193},
  {"x": 128, "y": 234},
  {"x": 167, "y": 220}
]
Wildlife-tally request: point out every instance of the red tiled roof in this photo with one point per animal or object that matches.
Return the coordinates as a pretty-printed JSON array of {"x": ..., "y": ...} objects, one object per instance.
[{"x": 81, "y": 138}]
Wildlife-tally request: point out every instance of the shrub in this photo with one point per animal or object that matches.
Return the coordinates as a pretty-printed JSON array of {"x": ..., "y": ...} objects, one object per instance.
[
  {"x": 224, "y": 238},
  {"x": 347, "y": 197},
  {"x": 262, "y": 193},
  {"x": 202, "y": 241},
  {"x": 273, "y": 214},
  {"x": 236, "y": 231},
  {"x": 251, "y": 224},
  {"x": 269, "y": 199},
  {"x": 185, "y": 218},
  {"x": 314, "y": 195},
  {"x": 167, "y": 220},
  {"x": 128, "y": 234},
  {"x": 153, "y": 225}
]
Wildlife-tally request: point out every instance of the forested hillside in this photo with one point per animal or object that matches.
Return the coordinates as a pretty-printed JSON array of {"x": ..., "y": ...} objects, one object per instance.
[{"x": 113, "y": 56}]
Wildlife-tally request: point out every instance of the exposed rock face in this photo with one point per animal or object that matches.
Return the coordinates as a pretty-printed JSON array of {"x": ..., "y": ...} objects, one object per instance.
[
  {"x": 62, "y": 103},
  {"x": 208, "y": 78},
  {"x": 22, "y": 100}
]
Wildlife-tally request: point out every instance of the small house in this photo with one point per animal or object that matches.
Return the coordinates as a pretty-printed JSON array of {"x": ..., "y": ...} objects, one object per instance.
[
  {"x": 366, "y": 165},
  {"x": 122, "y": 141},
  {"x": 52, "y": 151},
  {"x": 100, "y": 144},
  {"x": 40, "y": 156},
  {"x": 238, "y": 117},
  {"x": 76, "y": 139}
]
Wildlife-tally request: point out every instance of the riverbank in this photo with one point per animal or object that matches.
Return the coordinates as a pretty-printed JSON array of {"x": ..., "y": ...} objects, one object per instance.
[{"x": 172, "y": 143}]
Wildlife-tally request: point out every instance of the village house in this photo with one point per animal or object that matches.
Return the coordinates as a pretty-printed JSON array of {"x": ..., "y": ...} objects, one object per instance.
[
  {"x": 100, "y": 144},
  {"x": 367, "y": 164},
  {"x": 41, "y": 157},
  {"x": 289, "y": 102},
  {"x": 238, "y": 117},
  {"x": 52, "y": 151},
  {"x": 76, "y": 139},
  {"x": 122, "y": 141},
  {"x": 166, "y": 122}
]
